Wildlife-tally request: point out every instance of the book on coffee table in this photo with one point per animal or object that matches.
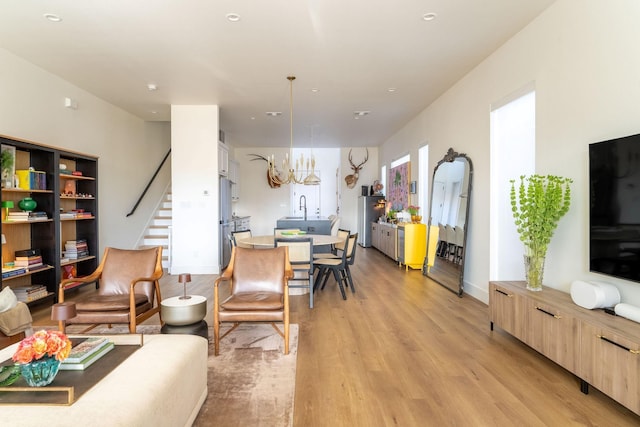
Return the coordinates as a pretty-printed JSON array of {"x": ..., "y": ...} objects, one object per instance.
[
  {"x": 87, "y": 361},
  {"x": 84, "y": 348}
]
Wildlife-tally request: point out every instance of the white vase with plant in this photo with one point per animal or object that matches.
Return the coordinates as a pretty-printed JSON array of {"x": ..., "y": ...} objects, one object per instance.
[{"x": 538, "y": 203}]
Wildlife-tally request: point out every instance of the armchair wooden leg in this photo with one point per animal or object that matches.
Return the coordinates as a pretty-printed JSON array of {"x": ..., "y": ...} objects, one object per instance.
[
  {"x": 216, "y": 338},
  {"x": 286, "y": 338}
]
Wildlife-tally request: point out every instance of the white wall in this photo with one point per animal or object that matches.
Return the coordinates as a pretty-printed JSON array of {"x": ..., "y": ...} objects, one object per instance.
[
  {"x": 195, "y": 189},
  {"x": 584, "y": 58},
  {"x": 129, "y": 149}
]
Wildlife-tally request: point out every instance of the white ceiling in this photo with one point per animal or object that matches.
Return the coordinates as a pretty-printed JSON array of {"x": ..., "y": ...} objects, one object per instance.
[{"x": 352, "y": 51}]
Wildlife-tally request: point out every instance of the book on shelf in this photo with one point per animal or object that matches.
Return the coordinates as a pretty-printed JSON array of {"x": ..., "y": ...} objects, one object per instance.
[
  {"x": 27, "y": 216},
  {"x": 34, "y": 268},
  {"x": 28, "y": 265},
  {"x": 75, "y": 255},
  {"x": 30, "y": 293},
  {"x": 27, "y": 252},
  {"x": 32, "y": 261},
  {"x": 76, "y": 248},
  {"x": 80, "y": 366},
  {"x": 76, "y": 241},
  {"x": 12, "y": 271}
]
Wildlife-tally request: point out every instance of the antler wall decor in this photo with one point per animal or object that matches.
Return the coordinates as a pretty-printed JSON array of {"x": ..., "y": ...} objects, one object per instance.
[
  {"x": 352, "y": 179},
  {"x": 272, "y": 183}
]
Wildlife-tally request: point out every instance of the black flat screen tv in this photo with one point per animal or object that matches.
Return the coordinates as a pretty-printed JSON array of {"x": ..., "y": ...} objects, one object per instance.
[{"x": 614, "y": 207}]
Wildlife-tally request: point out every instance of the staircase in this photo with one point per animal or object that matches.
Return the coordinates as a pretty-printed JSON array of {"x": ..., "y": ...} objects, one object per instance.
[{"x": 158, "y": 232}]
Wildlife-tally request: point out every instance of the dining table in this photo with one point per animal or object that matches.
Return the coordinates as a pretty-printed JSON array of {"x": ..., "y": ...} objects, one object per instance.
[{"x": 268, "y": 240}]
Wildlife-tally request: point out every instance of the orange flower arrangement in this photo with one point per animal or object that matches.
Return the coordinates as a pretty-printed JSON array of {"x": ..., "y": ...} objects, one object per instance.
[{"x": 43, "y": 343}]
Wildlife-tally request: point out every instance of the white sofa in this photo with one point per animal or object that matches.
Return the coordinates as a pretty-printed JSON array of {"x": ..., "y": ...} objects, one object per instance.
[{"x": 164, "y": 383}]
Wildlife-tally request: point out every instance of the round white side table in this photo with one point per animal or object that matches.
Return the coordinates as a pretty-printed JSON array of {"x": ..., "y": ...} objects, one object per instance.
[{"x": 184, "y": 316}]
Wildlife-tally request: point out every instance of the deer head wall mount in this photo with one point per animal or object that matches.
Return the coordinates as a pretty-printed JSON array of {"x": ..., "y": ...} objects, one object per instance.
[
  {"x": 352, "y": 179},
  {"x": 272, "y": 182}
]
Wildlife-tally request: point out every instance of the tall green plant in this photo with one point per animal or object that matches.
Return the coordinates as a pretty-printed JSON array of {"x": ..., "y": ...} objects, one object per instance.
[{"x": 537, "y": 205}]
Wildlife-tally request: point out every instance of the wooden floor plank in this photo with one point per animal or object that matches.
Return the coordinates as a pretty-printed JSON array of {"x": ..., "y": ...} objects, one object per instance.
[{"x": 404, "y": 351}]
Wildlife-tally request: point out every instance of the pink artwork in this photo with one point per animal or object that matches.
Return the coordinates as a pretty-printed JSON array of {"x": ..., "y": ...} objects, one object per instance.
[{"x": 398, "y": 183}]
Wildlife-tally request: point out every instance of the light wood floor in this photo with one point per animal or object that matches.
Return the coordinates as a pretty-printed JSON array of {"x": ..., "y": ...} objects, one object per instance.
[{"x": 404, "y": 351}]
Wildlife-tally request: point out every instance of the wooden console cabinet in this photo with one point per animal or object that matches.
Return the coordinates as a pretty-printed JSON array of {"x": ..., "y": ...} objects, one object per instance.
[
  {"x": 384, "y": 238},
  {"x": 601, "y": 349}
]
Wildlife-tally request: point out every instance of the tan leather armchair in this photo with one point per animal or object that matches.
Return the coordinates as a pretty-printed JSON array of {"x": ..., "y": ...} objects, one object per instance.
[
  {"x": 129, "y": 290},
  {"x": 258, "y": 291}
]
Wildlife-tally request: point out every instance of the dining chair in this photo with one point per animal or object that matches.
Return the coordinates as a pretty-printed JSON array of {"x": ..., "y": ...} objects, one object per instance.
[
  {"x": 239, "y": 235},
  {"x": 459, "y": 243},
  {"x": 335, "y": 225},
  {"x": 442, "y": 243},
  {"x": 337, "y": 267},
  {"x": 258, "y": 292},
  {"x": 451, "y": 242},
  {"x": 335, "y": 248},
  {"x": 351, "y": 259},
  {"x": 301, "y": 259}
]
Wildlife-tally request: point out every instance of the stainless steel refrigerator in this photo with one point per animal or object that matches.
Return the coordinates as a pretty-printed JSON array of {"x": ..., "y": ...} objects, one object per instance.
[
  {"x": 369, "y": 210},
  {"x": 226, "y": 222}
]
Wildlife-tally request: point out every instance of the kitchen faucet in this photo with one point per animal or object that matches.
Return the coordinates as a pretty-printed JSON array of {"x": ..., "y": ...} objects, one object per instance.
[{"x": 305, "y": 206}]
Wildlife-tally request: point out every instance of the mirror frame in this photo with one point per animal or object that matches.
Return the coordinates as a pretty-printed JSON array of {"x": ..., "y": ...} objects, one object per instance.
[{"x": 450, "y": 157}]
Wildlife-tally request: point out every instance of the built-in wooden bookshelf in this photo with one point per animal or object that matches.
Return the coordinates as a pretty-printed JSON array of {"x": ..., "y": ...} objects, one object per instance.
[{"x": 65, "y": 195}]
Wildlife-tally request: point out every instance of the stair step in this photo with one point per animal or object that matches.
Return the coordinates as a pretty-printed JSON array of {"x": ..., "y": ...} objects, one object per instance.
[
  {"x": 157, "y": 236},
  {"x": 164, "y": 213},
  {"x": 155, "y": 241},
  {"x": 162, "y": 221},
  {"x": 158, "y": 230}
]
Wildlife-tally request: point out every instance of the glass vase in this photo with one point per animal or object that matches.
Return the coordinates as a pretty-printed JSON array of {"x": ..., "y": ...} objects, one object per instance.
[
  {"x": 40, "y": 372},
  {"x": 534, "y": 269}
]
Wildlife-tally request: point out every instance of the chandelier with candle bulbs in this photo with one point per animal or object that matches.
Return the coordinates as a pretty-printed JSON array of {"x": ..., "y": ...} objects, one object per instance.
[{"x": 291, "y": 174}]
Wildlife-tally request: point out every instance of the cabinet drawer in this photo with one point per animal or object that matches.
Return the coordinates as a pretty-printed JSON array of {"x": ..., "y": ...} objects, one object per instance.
[
  {"x": 611, "y": 363},
  {"x": 507, "y": 310},
  {"x": 553, "y": 333}
]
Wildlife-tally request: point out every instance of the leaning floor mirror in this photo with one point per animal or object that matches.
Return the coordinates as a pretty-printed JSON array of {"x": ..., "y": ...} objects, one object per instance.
[{"x": 448, "y": 220}]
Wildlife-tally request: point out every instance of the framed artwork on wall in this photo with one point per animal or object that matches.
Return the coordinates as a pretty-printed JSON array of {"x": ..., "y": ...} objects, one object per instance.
[{"x": 398, "y": 187}]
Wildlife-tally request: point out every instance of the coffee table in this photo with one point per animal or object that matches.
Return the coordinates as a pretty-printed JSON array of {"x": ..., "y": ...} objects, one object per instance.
[{"x": 156, "y": 385}]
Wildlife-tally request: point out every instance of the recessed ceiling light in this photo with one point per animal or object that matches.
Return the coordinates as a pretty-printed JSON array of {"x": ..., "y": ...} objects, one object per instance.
[
  {"x": 315, "y": 90},
  {"x": 362, "y": 113},
  {"x": 391, "y": 89},
  {"x": 154, "y": 112},
  {"x": 274, "y": 113},
  {"x": 429, "y": 16},
  {"x": 52, "y": 17},
  {"x": 152, "y": 86},
  {"x": 233, "y": 17}
]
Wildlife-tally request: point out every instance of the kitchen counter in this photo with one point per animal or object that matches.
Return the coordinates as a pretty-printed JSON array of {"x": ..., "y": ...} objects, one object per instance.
[{"x": 313, "y": 224}]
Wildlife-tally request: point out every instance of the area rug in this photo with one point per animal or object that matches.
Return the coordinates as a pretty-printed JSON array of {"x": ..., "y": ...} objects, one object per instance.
[{"x": 251, "y": 382}]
